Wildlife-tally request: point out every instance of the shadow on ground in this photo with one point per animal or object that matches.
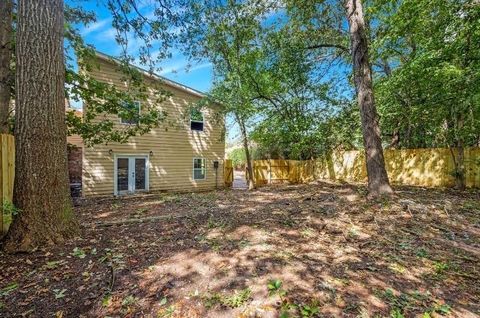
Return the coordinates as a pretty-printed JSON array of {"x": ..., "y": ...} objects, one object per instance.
[{"x": 214, "y": 255}]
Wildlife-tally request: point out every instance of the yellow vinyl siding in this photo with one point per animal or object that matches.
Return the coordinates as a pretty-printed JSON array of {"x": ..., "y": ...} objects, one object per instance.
[
  {"x": 75, "y": 140},
  {"x": 173, "y": 145}
]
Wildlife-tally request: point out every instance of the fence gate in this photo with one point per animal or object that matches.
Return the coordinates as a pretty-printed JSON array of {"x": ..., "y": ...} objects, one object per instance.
[{"x": 228, "y": 173}]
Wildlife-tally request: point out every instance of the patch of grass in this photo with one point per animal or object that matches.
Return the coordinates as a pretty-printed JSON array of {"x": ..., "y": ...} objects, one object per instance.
[
  {"x": 171, "y": 198},
  {"x": 139, "y": 212},
  {"x": 52, "y": 264},
  {"x": 440, "y": 269},
  {"x": 288, "y": 222},
  {"x": 405, "y": 302},
  {"x": 5, "y": 291},
  {"x": 398, "y": 268},
  {"x": 307, "y": 232},
  {"x": 422, "y": 253},
  {"x": 213, "y": 223},
  {"x": 129, "y": 301},
  {"x": 471, "y": 205},
  {"x": 167, "y": 312},
  {"x": 238, "y": 299},
  {"x": 284, "y": 255}
]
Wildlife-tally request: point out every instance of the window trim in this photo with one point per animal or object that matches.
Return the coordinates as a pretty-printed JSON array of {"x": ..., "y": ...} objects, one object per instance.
[
  {"x": 139, "y": 111},
  {"x": 197, "y": 121},
  {"x": 193, "y": 168}
]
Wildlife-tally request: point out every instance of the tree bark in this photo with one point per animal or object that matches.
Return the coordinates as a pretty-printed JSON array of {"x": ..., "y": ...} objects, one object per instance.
[
  {"x": 378, "y": 183},
  {"x": 41, "y": 190},
  {"x": 6, "y": 54},
  {"x": 243, "y": 131}
]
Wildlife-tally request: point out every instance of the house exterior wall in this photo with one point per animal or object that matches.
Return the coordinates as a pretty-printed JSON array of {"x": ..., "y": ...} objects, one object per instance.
[{"x": 170, "y": 148}]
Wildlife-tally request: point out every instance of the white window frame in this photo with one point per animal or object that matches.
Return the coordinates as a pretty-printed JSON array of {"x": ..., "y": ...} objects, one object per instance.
[
  {"x": 197, "y": 121},
  {"x": 115, "y": 172},
  {"x": 139, "y": 111},
  {"x": 193, "y": 168}
]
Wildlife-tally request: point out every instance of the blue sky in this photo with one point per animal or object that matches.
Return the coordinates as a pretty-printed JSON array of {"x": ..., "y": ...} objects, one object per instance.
[{"x": 101, "y": 35}]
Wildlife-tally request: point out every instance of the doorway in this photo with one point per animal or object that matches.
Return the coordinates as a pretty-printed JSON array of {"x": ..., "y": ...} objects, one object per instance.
[{"x": 131, "y": 174}]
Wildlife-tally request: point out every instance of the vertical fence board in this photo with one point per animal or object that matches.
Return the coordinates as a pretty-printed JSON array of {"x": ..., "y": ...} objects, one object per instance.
[
  {"x": 7, "y": 170},
  {"x": 418, "y": 167}
]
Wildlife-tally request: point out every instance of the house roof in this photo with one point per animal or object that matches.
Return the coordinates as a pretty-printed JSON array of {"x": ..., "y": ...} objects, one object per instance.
[{"x": 164, "y": 80}]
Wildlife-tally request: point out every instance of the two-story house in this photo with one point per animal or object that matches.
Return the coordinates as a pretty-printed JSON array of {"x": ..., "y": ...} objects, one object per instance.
[{"x": 185, "y": 153}]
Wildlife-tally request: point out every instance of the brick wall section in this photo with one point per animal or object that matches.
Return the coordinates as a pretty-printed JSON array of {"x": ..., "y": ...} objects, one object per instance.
[{"x": 75, "y": 164}]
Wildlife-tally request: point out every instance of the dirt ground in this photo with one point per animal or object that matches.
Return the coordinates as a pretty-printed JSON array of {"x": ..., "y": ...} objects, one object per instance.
[{"x": 317, "y": 250}]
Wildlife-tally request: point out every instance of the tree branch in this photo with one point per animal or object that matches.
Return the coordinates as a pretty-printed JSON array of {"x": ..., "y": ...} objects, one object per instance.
[{"x": 327, "y": 45}]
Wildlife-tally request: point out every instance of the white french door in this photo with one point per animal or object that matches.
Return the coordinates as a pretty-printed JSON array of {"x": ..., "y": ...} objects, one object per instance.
[{"x": 131, "y": 174}]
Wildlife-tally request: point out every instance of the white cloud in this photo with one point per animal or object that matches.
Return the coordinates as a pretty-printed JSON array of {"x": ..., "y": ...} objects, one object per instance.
[{"x": 91, "y": 28}]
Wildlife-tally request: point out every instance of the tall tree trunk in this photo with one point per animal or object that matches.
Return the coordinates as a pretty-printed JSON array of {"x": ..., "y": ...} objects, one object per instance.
[
  {"x": 41, "y": 185},
  {"x": 243, "y": 131},
  {"x": 6, "y": 54},
  {"x": 378, "y": 183}
]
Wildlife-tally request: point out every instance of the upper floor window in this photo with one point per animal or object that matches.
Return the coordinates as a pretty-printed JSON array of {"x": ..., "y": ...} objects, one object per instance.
[
  {"x": 130, "y": 112},
  {"x": 196, "y": 120}
]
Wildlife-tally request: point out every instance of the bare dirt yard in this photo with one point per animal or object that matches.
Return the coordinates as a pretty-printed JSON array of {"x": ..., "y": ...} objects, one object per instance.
[{"x": 317, "y": 250}]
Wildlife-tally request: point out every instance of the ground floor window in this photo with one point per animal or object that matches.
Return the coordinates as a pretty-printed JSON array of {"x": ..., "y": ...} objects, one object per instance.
[{"x": 199, "y": 168}]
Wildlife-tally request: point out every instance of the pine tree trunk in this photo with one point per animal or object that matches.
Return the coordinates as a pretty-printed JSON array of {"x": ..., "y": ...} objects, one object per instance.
[
  {"x": 41, "y": 178},
  {"x": 243, "y": 131},
  {"x": 6, "y": 54},
  {"x": 378, "y": 183}
]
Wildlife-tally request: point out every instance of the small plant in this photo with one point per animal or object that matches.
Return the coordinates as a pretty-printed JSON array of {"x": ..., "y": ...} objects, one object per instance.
[
  {"x": 9, "y": 208},
  {"x": 52, "y": 265},
  {"x": 307, "y": 311},
  {"x": 440, "y": 268},
  {"x": 443, "y": 309},
  {"x": 275, "y": 288},
  {"x": 238, "y": 299},
  {"x": 107, "y": 300},
  {"x": 129, "y": 301},
  {"x": 396, "y": 313},
  {"x": 213, "y": 223},
  {"x": 422, "y": 253},
  {"x": 59, "y": 293},
  {"x": 140, "y": 211},
  {"x": 8, "y": 289},
  {"x": 168, "y": 312},
  {"x": 78, "y": 252}
]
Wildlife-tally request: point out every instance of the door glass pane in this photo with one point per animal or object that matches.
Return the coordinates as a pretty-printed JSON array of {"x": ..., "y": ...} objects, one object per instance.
[
  {"x": 122, "y": 174},
  {"x": 140, "y": 173}
]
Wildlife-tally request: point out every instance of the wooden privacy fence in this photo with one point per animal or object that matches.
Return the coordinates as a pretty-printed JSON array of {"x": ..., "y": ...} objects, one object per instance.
[
  {"x": 228, "y": 172},
  {"x": 419, "y": 167},
  {"x": 7, "y": 172}
]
